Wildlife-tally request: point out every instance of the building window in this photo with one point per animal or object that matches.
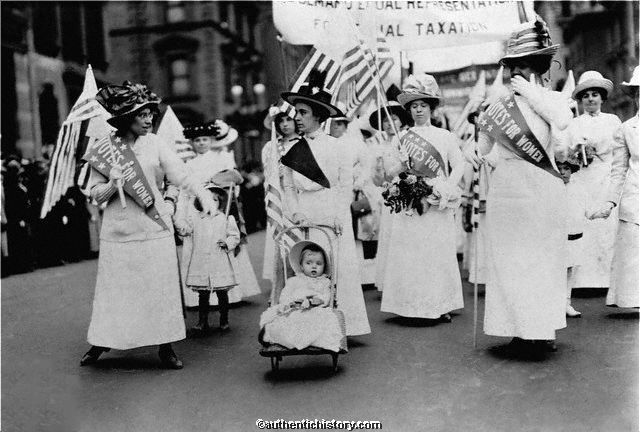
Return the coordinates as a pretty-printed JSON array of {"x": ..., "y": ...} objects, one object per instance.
[
  {"x": 45, "y": 29},
  {"x": 179, "y": 78},
  {"x": 223, "y": 12},
  {"x": 175, "y": 11},
  {"x": 72, "y": 39}
]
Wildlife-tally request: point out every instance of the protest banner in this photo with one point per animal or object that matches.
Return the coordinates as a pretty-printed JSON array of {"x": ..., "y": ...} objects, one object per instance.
[{"x": 407, "y": 25}]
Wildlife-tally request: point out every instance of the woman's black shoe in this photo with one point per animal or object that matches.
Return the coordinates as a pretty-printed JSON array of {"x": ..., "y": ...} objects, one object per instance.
[
  {"x": 92, "y": 356},
  {"x": 168, "y": 358},
  {"x": 445, "y": 318}
]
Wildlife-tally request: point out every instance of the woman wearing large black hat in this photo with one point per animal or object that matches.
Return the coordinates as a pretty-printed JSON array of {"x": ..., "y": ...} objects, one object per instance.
[
  {"x": 137, "y": 295},
  {"x": 317, "y": 187}
]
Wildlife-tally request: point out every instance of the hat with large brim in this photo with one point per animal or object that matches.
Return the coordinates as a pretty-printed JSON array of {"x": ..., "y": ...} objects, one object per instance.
[
  {"x": 341, "y": 116},
  {"x": 418, "y": 87},
  {"x": 313, "y": 94},
  {"x": 635, "y": 79},
  {"x": 530, "y": 39},
  {"x": 226, "y": 135},
  {"x": 120, "y": 101},
  {"x": 394, "y": 108},
  {"x": 589, "y": 80},
  {"x": 296, "y": 252},
  {"x": 226, "y": 178}
]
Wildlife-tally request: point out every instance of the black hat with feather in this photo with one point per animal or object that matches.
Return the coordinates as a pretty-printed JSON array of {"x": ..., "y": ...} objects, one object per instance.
[{"x": 313, "y": 94}]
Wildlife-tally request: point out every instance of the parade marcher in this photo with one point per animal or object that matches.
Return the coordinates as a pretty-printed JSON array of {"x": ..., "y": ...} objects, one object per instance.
[
  {"x": 422, "y": 279},
  {"x": 303, "y": 317},
  {"x": 577, "y": 215},
  {"x": 18, "y": 209},
  {"x": 286, "y": 135},
  {"x": 316, "y": 194},
  {"x": 363, "y": 197},
  {"x": 624, "y": 194},
  {"x": 209, "y": 266},
  {"x": 208, "y": 141},
  {"x": 385, "y": 150},
  {"x": 137, "y": 295},
  {"x": 593, "y": 132},
  {"x": 526, "y": 205}
]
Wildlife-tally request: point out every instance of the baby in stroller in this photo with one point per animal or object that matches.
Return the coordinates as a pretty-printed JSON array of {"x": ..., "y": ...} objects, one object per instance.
[{"x": 303, "y": 317}]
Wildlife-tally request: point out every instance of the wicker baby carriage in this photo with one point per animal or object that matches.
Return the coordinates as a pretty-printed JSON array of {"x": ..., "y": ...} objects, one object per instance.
[{"x": 277, "y": 352}]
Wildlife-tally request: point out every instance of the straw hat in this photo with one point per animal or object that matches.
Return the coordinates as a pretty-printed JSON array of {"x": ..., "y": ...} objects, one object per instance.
[
  {"x": 592, "y": 79},
  {"x": 313, "y": 94},
  {"x": 296, "y": 252},
  {"x": 394, "y": 108},
  {"x": 418, "y": 87},
  {"x": 221, "y": 132},
  {"x": 530, "y": 39},
  {"x": 126, "y": 99},
  {"x": 635, "y": 79}
]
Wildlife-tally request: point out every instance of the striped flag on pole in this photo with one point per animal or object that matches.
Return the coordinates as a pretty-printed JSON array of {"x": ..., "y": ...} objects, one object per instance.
[
  {"x": 71, "y": 143},
  {"x": 277, "y": 219},
  {"x": 171, "y": 130},
  {"x": 314, "y": 60},
  {"x": 360, "y": 69}
]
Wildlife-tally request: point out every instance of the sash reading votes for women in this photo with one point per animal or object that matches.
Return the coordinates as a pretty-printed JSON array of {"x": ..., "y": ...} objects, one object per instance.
[
  {"x": 425, "y": 158},
  {"x": 503, "y": 121},
  {"x": 135, "y": 182}
]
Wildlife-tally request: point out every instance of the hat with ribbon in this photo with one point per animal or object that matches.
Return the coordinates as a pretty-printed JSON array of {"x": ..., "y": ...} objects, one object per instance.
[
  {"x": 271, "y": 114},
  {"x": 221, "y": 132},
  {"x": 418, "y": 87},
  {"x": 313, "y": 94},
  {"x": 635, "y": 79},
  {"x": 589, "y": 80},
  {"x": 530, "y": 39},
  {"x": 126, "y": 99},
  {"x": 393, "y": 107},
  {"x": 296, "y": 253}
]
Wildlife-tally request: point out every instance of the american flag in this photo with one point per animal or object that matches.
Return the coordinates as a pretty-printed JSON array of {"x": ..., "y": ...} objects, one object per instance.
[
  {"x": 71, "y": 143},
  {"x": 277, "y": 219},
  {"x": 171, "y": 130},
  {"x": 361, "y": 70},
  {"x": 314, "y": 60}
]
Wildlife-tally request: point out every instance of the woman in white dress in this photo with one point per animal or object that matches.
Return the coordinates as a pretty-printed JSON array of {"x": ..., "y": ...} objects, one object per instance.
[
  {"x": 624, "y": 290},
  {"x": 209, "y": 141},
  {"x": 278, "y": 122},
  {"x": 526, "y": 205},
  {"x": 319, "y": 200},
  {"x": 137, "y": 294},
  {"x": 422, "y": 279},
  {"x": 385, "y": 150},
  {"x": 595, "y": 131}
]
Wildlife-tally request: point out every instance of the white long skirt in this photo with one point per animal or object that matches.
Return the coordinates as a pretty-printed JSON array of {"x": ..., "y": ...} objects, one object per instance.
[
  {"x": 624, "y": 291},
  {"x": 422, "y": 278},
  {"x": 527, "y": 239},
  {"x": 137, "y": 295},
  {"x": 599, "y": 234}
]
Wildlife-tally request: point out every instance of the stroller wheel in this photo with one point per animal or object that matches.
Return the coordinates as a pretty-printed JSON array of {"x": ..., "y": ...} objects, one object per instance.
[{"x": 334, "y": 357}]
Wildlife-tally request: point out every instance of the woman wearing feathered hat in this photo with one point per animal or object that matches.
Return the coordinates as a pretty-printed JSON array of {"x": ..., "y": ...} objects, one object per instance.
[
  {"x": 137, "y": 295},
  {"x": 624, "y": 194},
  {"x": 593, "y": 132},
  {"x": 316, "y": 178},
  {"x": 400, "y": 120},
  {"x": 525, "y": 224},
  {"x": 283, "y": 135},
  {"x": 209, "y": 141},
  {"x": 421, "y": 277}
]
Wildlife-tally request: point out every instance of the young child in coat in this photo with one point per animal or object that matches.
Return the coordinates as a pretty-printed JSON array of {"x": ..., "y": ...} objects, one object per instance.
[
  {"x": 303, "y": 316},
  {"x": 209, "y": 268},
  {"x": 577, "y": 215}
]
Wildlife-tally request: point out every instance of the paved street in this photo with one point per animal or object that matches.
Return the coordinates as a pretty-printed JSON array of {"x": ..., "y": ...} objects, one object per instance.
[{"x": 411, "y": 377}]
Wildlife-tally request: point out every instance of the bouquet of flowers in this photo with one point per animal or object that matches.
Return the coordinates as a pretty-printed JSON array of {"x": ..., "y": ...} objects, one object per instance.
[
  {"x": 585, "y": 152},
  {"x": 407, "y": 192}
]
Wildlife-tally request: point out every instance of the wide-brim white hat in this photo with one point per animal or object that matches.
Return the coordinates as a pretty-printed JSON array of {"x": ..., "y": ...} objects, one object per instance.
[
  {"x": 635, "y": 79},
  {"x": 592, "y": 79},
  {"x": 296, "y": 251},
  {"x": 227, "y": 135},
  {"x": 418, "y": 87}
]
